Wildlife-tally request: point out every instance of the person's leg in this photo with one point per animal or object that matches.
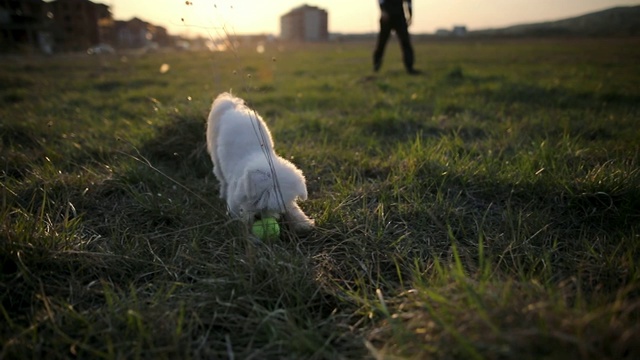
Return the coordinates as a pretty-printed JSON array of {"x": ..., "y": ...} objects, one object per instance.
[
  {"x": 383, "y": 37},
  {"x": 405, "y": 42}
]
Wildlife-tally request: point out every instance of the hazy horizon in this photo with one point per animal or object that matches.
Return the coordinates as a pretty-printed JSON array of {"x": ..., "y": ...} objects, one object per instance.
[{"x": 209, "y": 18}]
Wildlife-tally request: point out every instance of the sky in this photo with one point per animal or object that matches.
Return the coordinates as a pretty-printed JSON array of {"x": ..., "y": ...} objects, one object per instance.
[{"x": 209, "y": 17}]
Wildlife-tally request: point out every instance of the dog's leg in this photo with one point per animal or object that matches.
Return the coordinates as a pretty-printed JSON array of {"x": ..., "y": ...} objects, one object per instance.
[
  {"x": 223, "y": 184},
  {"x": 224, "y": 189},
  {"x": 297, "y": 219}
]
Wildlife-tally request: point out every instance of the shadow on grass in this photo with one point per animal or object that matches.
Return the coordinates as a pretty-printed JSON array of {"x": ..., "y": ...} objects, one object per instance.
[
  {"x": 22, "y": 149},
  {"x": 180, "y": 148},
  {"x": 394, "y": 129},
  {"x": 558, "y": 96},
  {"x": 117, "y": 85},
  {"x": 140, "y": 247}
]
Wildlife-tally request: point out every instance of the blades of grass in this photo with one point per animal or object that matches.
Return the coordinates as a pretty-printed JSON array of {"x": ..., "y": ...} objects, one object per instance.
[
  {"x": 468, "y": 349},
  {"x": 459, "y": 272}
]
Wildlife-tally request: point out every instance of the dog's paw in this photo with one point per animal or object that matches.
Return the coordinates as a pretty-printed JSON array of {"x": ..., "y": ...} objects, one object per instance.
[{"x": 302, "y": 227}]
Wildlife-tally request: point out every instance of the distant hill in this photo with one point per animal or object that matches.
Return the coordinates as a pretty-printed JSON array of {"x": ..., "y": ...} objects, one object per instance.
[{"x": 618, "y": 21}]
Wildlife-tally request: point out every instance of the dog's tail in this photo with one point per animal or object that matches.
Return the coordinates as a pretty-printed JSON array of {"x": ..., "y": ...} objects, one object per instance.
[
  {"x": 224, "y": 102},
  {"x": 221, "y": 105}
]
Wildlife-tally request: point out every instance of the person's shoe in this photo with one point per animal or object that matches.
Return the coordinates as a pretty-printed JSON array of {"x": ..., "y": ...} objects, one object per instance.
[
  {"x": 376, "y": 67},
  {"x": 413, "y": 72}
]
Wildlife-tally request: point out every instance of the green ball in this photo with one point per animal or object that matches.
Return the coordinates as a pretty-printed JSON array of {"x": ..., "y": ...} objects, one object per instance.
[{"x": 266, "y": 228}]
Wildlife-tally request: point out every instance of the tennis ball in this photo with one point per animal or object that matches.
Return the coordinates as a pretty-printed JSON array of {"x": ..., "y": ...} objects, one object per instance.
[{"x": 266, "y": 228}]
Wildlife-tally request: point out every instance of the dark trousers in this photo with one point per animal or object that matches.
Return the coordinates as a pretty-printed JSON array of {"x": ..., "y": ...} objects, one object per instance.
[{"x": 397, "y": 23}]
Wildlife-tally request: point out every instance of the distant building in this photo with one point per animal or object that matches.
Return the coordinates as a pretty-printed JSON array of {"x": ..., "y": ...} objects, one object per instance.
[
  {"x": 305, "y": 23},
  {"x": 72, "y": 25},
  {"x": 24, "y": 26},
  {"x": 459, "y": 30},
  {"x": 80, "y": 24},
  {"x": 137, "y": 33}
]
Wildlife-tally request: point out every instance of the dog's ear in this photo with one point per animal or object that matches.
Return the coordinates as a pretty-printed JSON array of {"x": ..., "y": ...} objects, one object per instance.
[
  {"x": 259, "y": 186},
  {"x": 257, "y": 182}
]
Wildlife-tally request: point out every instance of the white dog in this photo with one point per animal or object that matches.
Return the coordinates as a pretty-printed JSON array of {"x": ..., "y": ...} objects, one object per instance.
[{"x": 254, "y": 180}]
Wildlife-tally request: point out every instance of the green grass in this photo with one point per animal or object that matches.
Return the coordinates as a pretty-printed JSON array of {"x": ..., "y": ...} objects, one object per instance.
[{"x": 487, "y": 209}]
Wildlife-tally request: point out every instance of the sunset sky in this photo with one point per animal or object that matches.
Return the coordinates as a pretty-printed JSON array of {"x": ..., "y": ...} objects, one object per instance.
[{"x": 207, "y": 17}]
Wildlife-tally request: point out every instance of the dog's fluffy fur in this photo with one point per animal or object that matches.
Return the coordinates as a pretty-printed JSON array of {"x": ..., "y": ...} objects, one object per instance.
[{"x": 254, "y": 180}]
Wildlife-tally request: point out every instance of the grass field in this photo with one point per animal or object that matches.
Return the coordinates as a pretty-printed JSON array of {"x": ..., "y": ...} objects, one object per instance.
[{"x": 489, "y": 208}]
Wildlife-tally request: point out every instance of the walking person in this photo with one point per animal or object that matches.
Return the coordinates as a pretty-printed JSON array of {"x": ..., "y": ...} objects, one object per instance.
[{"x": 392, "y": 17}]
